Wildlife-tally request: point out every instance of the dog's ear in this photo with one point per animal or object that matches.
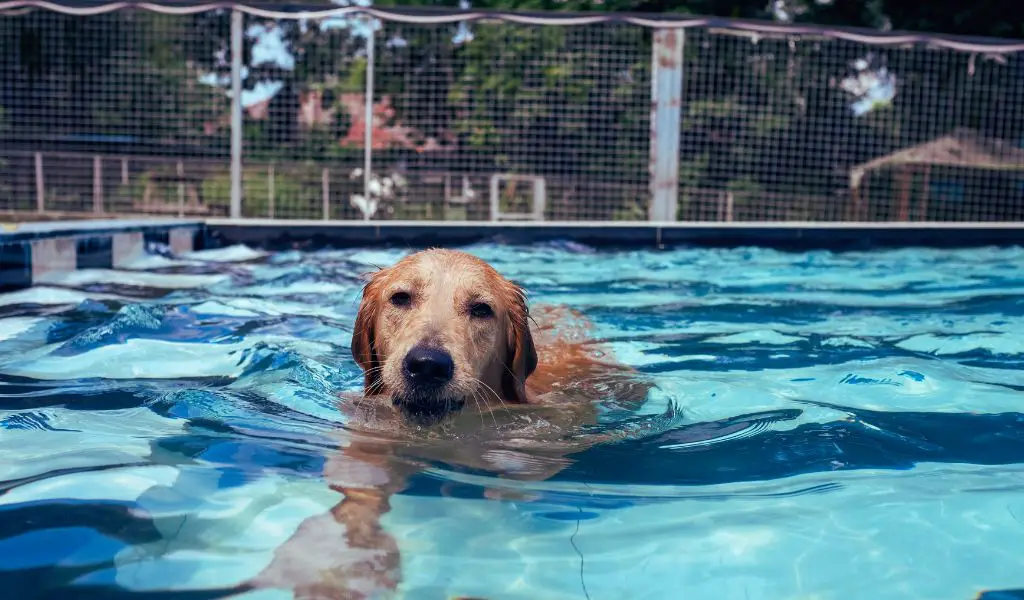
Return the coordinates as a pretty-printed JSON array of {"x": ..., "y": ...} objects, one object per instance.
[
  {"x": 363, "y": 344},
  {"x": 521, "y": 355}
]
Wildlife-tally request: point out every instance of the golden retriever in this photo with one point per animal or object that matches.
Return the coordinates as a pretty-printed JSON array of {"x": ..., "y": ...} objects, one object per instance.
[{"x": 453, "y": 372}]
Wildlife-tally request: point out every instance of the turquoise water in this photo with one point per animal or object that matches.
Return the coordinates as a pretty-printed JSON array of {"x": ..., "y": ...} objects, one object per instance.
[{"x": 849, "y": 426}]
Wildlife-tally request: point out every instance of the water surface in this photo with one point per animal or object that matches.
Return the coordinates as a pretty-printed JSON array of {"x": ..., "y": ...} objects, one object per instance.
[{"x": 848, "y": 426}]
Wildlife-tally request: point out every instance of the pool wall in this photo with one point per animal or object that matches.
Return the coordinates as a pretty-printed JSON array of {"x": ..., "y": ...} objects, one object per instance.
[{"x": 31, "y": 251}]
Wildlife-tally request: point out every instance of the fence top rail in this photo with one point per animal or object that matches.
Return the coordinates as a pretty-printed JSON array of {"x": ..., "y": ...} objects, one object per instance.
[{"x": 440, "y": 16}]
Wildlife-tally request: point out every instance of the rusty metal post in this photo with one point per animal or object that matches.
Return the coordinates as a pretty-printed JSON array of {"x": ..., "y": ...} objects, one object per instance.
[{"x": 666, "y": 109}]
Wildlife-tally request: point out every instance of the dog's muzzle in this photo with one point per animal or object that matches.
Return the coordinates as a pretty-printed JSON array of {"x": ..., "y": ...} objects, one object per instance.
[{"x": 427, "y": 371}]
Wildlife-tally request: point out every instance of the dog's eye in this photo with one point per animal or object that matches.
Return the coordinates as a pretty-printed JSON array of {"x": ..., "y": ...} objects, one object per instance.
[
  {"x": 481, "y": 310},
  {"x": 401, "y": 299}
]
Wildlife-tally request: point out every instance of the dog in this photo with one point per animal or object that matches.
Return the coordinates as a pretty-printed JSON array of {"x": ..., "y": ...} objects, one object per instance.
[{"x": 456, "y": 369}]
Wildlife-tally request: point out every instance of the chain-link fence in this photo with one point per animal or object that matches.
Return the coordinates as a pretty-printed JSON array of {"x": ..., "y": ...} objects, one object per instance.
[{"x": 389, "y": 115}]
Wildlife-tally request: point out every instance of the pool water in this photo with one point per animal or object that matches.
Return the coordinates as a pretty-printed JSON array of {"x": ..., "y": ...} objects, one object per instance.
[{"x": 848, "y": 426}]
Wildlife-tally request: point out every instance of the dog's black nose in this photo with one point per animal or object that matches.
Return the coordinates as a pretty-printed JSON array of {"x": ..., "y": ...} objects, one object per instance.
[{"x": 428, "y": 367}]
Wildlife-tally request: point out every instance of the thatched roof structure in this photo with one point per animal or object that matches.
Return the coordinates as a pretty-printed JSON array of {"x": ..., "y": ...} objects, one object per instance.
[{"x": 961, "y": 148}]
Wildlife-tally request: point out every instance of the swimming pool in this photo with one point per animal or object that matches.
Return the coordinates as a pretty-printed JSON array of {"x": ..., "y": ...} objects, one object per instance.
[{"x": 849, "y": 426}]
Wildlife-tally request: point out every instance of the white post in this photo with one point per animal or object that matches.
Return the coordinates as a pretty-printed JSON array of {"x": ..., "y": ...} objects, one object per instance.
[
  {"x": 368, "y": 115},
  {"x": 236, "y": 114},
  {"x": 666, "y": 108}
]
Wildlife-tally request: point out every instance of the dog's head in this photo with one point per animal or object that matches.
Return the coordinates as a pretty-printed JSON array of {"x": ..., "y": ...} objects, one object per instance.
[{"x": 441, "y": 329}]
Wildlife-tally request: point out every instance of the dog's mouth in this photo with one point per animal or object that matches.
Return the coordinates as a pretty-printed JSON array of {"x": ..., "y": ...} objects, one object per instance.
[{"x": 427, "y": 410}]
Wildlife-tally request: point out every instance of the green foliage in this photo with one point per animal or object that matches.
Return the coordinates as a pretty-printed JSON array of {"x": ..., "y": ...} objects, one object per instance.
[
  {"x": 119, "y": 74},
  {"x": 633, "y": 209},
  {"x": 543, "y": 100}
]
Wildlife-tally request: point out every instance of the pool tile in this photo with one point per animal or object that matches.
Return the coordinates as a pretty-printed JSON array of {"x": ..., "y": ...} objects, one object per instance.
[
  {"x": 127, "y": 247},
  {"x": 53, "y": 255},
  {"x": 95, "y": 252},
  {"x": 15, "y": 266},
  {"x": 181, "y": 241}
]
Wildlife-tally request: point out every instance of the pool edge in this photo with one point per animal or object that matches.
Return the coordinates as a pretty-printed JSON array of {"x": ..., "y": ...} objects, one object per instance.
[{"x": 31, "y": 251}]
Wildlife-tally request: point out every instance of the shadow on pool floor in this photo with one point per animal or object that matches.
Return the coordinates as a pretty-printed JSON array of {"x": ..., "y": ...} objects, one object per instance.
[{"x": 1002, "y": 595}]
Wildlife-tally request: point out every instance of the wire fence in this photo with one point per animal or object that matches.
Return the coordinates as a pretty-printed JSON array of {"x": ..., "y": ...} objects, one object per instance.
[{"x": 360, "y": 113}]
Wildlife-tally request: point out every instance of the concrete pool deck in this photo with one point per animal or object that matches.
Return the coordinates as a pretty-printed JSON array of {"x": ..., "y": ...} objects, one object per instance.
[{"x": 31, "y": 250}]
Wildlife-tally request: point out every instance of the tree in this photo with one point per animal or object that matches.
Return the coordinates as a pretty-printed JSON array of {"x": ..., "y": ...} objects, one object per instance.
[{"x": 116, "y": 74}]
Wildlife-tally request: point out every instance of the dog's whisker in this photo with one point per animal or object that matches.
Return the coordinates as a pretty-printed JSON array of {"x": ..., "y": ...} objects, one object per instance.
[
  {"x": 495, "y": 394},
  {"x": 476, "y": 398},
  {"x": 518, "y": 379},
  {"x": 476, "y": 402}
]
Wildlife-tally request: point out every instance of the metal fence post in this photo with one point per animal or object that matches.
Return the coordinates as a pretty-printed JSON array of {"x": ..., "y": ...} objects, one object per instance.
[
  {"x": 97, "y": 184},
  {"x": 181, "y": 189},
  {"x": 236, "y": 114},
  {"x": 325, "y": 193},
  {"x": 368, "y": 116},
  {"x": 40, "y": 185},
  {"x": 270, "y": 191},
  {"x": 666, "y": 108}
]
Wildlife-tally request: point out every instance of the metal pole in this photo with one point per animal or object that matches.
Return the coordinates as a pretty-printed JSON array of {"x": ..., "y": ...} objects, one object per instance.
[
  {"x": 368, "y": 116},
  {"x": 40, "y": 185},
  {"x": 181, "y": 189},
  {"x": 97, "y": 184},
  {"x": 270, "y": 191},
  {"x": 666, "y": 108},
  {"x": 325, "y": 192},
  {"x": 236, "y": 114}
]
